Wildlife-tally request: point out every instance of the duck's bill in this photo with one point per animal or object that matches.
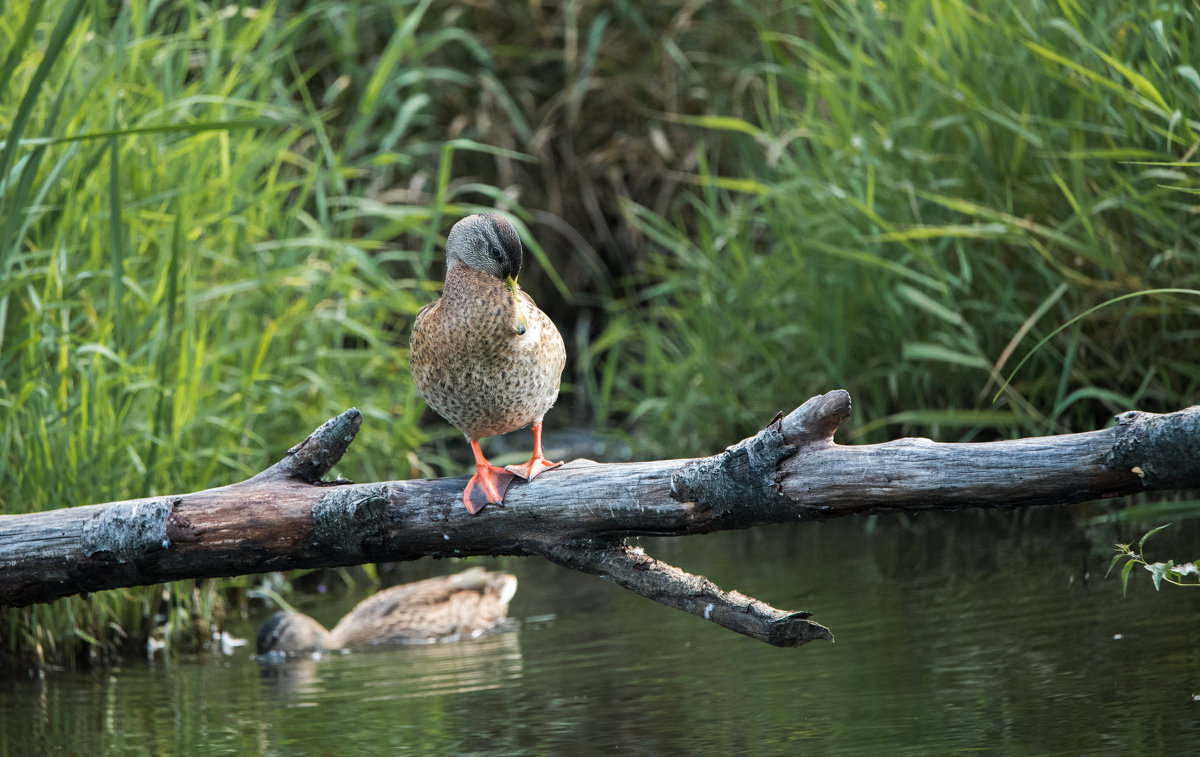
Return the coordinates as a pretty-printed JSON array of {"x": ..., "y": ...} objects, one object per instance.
[{"x": 519, "y": 325}]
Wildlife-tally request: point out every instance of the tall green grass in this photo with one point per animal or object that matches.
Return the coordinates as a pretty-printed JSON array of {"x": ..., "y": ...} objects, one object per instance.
[
  {"x": 907, "y": 199},
  {"x": 194, "y": 266}
]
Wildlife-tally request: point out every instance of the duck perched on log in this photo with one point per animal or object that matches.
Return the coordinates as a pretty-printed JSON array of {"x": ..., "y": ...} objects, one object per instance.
[
  {"x": 447, "y": 608},
  {"x": 484, "y": 356}
]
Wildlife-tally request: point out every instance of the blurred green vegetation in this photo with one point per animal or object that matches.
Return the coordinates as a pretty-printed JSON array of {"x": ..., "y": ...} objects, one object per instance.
[
  {"x": 218, "y": 222},
  {"x": 907, "y": 199}
]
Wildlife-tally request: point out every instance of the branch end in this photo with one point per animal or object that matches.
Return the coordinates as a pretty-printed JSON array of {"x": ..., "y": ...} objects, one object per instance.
[
  {"x": 312, "y": 458},
  {"x": 1161, "y": 450},
  {"x": 795, "y": 629}
]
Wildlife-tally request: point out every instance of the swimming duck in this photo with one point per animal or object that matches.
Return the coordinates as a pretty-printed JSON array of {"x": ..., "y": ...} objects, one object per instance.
[
  {"x": 446, "y": 608},
  {"x": 484, "y": 356}
]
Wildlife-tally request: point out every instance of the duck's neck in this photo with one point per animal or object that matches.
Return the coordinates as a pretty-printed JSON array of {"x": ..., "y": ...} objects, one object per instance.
[
  {"x": 461, "y": 276},
  {"x": 472, "y": 293},
  {"x": 305, "y": 634}
]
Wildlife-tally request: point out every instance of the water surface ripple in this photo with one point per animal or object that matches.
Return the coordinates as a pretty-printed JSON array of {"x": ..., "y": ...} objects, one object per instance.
[{"x": 956, "y": 633}]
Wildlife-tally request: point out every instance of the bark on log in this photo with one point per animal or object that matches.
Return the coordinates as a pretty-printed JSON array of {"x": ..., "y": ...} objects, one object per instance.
[{"x": 578, "y": 515}]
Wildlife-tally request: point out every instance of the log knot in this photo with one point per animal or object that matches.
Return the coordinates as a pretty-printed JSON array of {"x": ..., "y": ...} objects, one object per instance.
[
  {"x": 743, "y": 477},
  {"x": 349, "y": 520},
  {"x": 128, "y": 531}
]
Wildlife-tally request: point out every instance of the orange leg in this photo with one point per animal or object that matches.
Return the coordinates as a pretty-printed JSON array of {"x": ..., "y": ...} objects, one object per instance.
[
  {"x": 488, "y": 485},
  {"x": 537, "y": 463}
]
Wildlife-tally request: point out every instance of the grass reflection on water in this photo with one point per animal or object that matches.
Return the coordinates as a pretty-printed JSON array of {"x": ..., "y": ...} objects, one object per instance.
[{"x": 956, "y": 632}]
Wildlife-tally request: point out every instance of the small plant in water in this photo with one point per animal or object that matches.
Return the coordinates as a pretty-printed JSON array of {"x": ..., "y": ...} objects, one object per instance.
[{"x": 1159, "y": 571}]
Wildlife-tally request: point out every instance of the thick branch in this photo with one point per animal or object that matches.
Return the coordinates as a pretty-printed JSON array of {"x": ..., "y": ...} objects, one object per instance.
[{"x": 791, "y": 471}]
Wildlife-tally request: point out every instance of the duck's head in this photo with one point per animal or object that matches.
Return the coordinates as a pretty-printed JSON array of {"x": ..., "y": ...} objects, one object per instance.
[
  {"x": 292, "y": 633},
  {"x": 488, "y": 243}
]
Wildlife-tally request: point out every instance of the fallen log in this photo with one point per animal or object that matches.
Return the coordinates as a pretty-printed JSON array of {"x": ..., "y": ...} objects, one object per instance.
[{"x": 578, "y": 516}]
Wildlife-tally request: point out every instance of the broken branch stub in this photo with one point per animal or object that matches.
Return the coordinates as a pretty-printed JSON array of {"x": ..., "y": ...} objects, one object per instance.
[{"x": 311, "y": 459}]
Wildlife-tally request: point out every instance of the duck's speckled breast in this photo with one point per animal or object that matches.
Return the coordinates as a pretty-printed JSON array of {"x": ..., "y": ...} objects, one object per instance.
[{"x": 473, "y": 369}]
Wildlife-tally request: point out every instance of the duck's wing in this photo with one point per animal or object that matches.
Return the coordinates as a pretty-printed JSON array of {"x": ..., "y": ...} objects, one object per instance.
[
  {"x": 424, "y": 312},
  {"x": 423, "y": 343},
  {"x": 500, "y": 587},
  {"x": 433, "y": 592},
  {"x": 553, "y": 351}
]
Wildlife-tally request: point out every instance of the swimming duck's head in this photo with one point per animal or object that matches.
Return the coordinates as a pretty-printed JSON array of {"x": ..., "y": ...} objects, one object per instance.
[{"x": 292, "y": 633}]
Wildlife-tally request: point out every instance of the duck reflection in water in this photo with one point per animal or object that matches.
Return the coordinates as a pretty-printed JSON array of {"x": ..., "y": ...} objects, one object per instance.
[{"x": 448, "y": 608}]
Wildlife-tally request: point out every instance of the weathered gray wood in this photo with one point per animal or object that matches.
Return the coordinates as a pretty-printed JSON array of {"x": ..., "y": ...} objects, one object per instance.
[
  {"x": 577, "y": 515},
  {"x": 633, "y": 569}
]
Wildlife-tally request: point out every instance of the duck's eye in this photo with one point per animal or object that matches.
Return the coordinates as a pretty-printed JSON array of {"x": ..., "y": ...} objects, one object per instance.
[{"x": 497, "y": 254}]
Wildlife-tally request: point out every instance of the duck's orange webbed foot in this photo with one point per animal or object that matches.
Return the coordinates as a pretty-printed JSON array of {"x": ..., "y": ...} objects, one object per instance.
[
  {"x": 488, "y": 485},
  {"x": 530, "y": 470},
  {"x": 537, "y": 464}
]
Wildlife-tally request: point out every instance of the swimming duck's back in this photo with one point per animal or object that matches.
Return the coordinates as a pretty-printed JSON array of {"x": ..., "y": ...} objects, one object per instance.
[{"x": 437, "y": 609}]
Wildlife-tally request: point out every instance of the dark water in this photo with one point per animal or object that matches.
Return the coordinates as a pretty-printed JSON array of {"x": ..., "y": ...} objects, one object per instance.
[{"x": 956, "y": 633}]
